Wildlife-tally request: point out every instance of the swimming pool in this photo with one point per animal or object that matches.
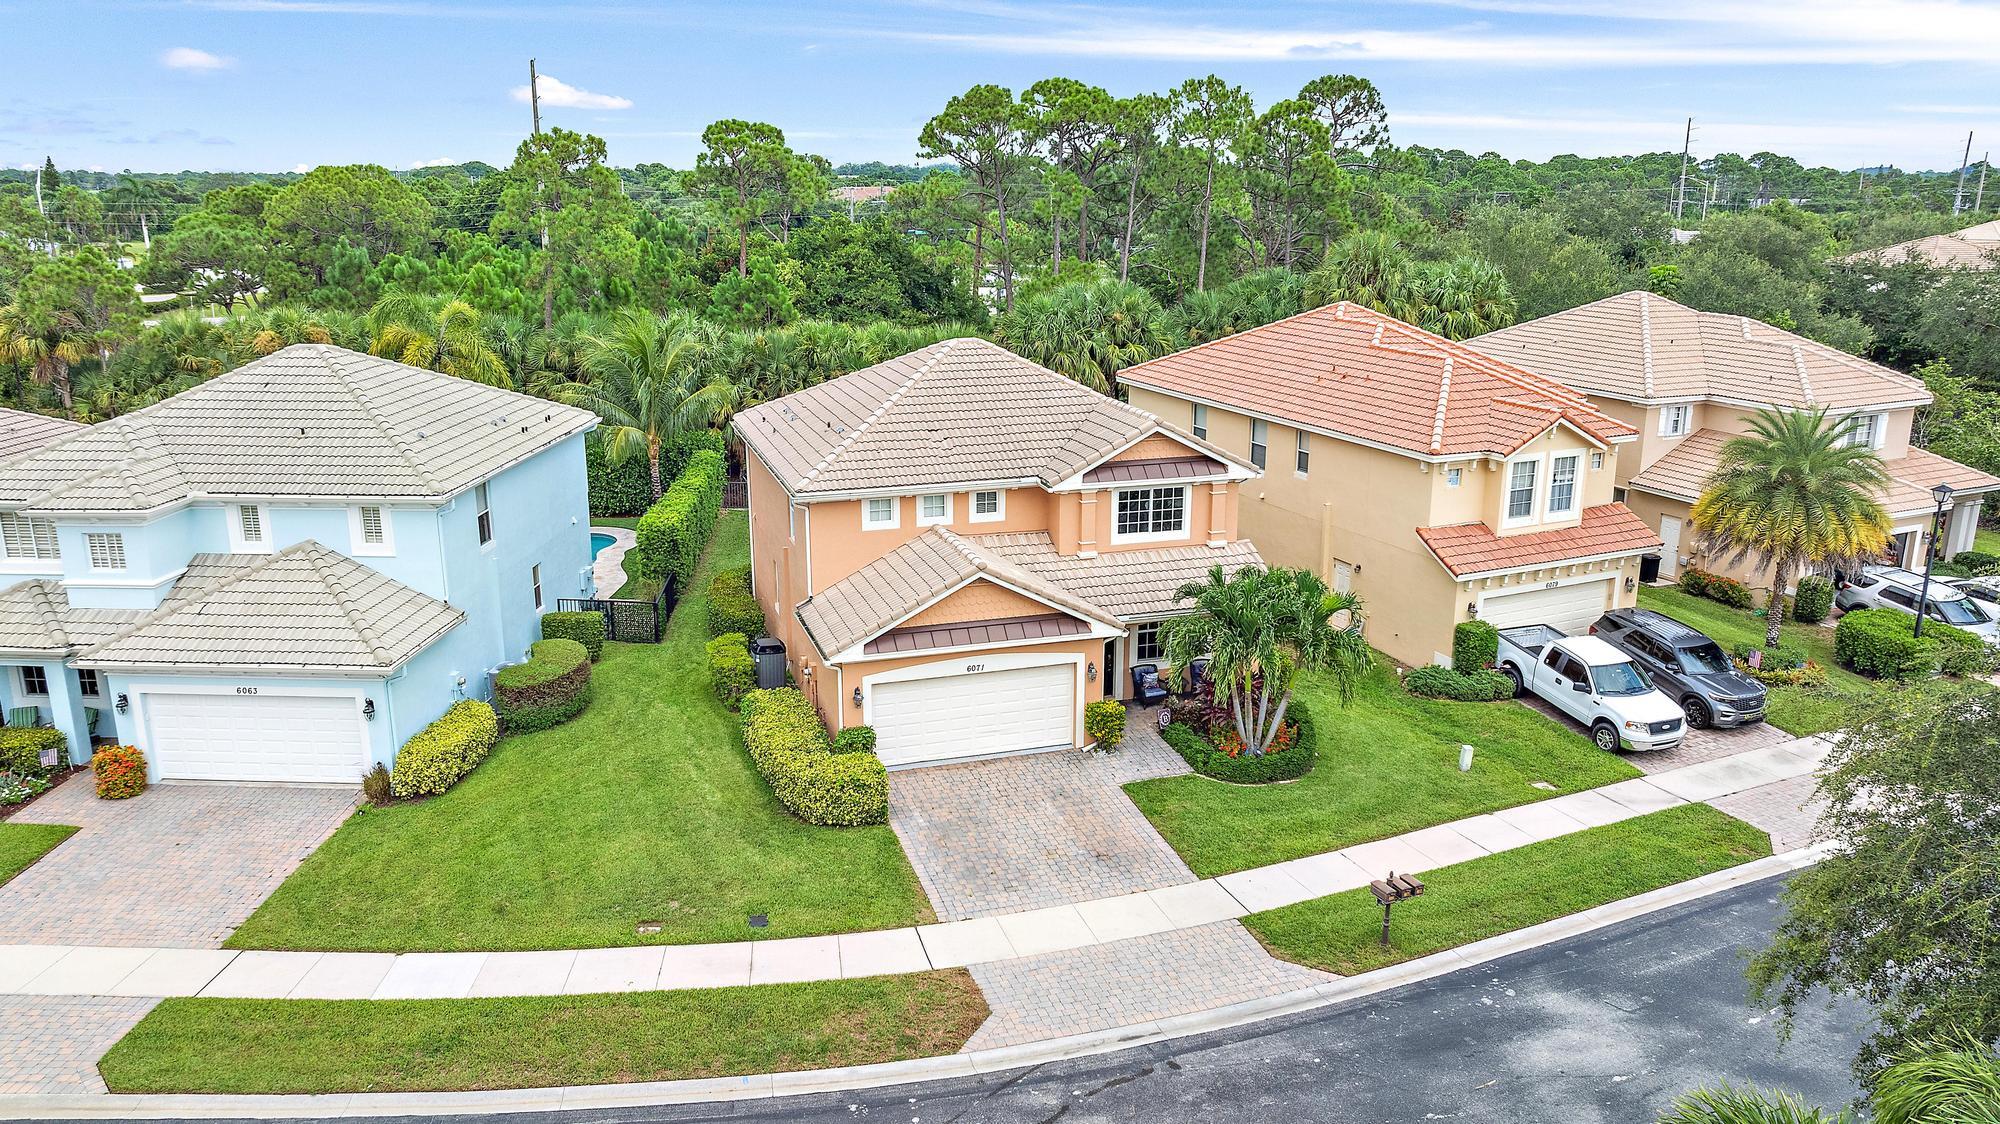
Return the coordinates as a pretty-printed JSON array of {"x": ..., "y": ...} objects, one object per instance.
[{"x": 598, "y": 541}]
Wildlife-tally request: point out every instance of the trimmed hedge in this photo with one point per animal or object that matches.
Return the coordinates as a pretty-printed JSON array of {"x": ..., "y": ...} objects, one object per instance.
[
  {"x": 1715, "y": 587},
  {"x": 1482, "y": 685},
  {"x": 732, "y": 672},
  {"x": 21, "y": 749},
  {"x": 623, "y": 489},
  {"x": 1977, "y": 563},
  {"x": 855, "y": 739},
  {"x": 731, "y": 605},
  {"x": 1291, "y": 763},
  {"x": 551, "y": 688},
  {"x": 1104, "y": 723},
  {"x": 673, "y": 532},
  {"x": 785, "y": 739},
  {"x": 439, "y": 755},
  {"x": 1783, "y": 657},
  {"x": 1813, "y": 600},
  {"x": 586, "y": 629},
  {"x": 121, "y": 772},
  {"x": 1879, "y": 642},
  {"x": 1475, "y": 645}
]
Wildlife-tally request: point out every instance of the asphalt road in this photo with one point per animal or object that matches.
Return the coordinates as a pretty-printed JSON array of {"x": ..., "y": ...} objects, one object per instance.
[{"x": 1608, "y": 1027}]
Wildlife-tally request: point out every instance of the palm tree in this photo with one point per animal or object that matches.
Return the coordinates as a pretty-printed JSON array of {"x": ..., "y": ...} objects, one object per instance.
[
  {"x": 1259, "y": 629},
  {"x": 1370, "y": 269},
  {"x": 648, "y": 383},
  {"x": 48, "y": 348},
  {"x": 1464, "y": 297},
  {"x": 1793, "y": 492},
  {"x": 1952, "y": 1078},
  {"x": 412, "y": 329},
  {"x": 1088, "y": 331}
]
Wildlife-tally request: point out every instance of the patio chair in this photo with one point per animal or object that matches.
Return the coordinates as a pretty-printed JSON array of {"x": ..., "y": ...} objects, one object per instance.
[
  {"x": 1147, "y": 689},
  {"x": 24, "y": 716}
]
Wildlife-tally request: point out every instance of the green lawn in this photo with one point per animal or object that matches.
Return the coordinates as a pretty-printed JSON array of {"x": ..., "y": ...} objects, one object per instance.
[
  {"x": 23, "y": 843},
  {"x": 1792, "y": 709},
  {"x": 1987, "y": 540},
  {"x": 643, "y": 808},
  {"x": 1512, "y": 890},
  {"x": 1388, "y": 764},
  {"x": 330, "y": 1046}
]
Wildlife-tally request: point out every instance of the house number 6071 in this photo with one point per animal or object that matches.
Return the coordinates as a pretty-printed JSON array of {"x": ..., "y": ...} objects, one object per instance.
[{"x": 975, "y": 667}]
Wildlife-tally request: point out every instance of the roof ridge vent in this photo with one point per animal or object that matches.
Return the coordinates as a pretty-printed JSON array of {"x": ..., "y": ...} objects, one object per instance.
[
  {"x": 1444, "y": 396},
  {"x": 1805, "y": 380},
  {"x": 51, "y": 618},
  {"x": 315, "y": 555},
  {"x": 1646, "y": 340},
  {"x": 340, "y": 374},
  {"x": 943, "y": 350}
]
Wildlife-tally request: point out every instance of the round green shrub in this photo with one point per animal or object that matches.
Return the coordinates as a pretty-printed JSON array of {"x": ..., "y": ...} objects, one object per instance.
[
  {"x": 1475, "y": 645},
  {"x": 1813, "y": 601},
  {"x": 551, "y": 688},
  {"x": 1104, "y": 723},
  {"x": 1881, "y": 642},
  {"x": 1977, "y": 563},
  {"x": 586, "y": 629},
  {"x": 21, "y": 749},
  {"x": 855, "y": 739}
]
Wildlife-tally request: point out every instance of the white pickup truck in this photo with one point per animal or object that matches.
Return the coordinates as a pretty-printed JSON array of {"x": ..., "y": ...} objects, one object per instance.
[{"x": 1594, "y": 683}]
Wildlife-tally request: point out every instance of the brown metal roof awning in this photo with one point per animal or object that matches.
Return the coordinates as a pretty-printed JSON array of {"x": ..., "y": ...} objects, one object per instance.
[
  {"x": 1158, "y": 468},
  {"x": 964, "y": 634}
]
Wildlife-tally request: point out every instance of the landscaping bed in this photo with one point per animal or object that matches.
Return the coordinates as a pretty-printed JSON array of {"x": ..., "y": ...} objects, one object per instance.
[
  {"x": 643, "y": 808},
  {"x": 22, "y": 844},
  {"x": 423, "y": 1045},
  {"x": 1387, "y": 764},
  {"x": 1500, "y": 893}
]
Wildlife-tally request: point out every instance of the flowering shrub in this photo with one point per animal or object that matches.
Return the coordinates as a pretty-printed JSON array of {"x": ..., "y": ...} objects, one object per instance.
[
  {"x": 1221, "y": 755},
  {"x": 19, "y": 788},
  {"x": 1104, "y": 722},
  {"x": 121, "y": 772}
]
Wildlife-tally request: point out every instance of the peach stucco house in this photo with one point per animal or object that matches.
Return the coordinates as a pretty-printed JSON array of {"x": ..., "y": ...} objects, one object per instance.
[
  {"x": 962, "y": 549},
  {"x": 1437, "y": 483},
  {"x": 1687, "y": 381}
]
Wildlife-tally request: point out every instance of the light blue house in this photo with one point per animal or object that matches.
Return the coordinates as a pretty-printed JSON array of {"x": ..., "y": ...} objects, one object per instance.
[{"x": 283, "y": 573}]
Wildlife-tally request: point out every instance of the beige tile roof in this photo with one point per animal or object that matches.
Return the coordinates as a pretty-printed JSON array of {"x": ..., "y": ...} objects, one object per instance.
[
  {"x": 304, "y": 610},
  {"x": 1683, "y": 473},
  {"x": 22, "y": 432},
  {"x": 1642, "y": 347},
  {"x": 1975, "y": 247},
  {"x": 37, "y": 618},
  {"x": 1471, "y": 549},
  {"x": 1350, "y": 371},
  {"x": 959, "y": 412},
  {"x": 1130, "y": 584},
  {"x": 310, "y": 421}
]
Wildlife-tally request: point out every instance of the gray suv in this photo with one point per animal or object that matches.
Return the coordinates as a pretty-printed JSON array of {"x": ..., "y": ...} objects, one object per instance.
[{"x": 1693, "y": 670}]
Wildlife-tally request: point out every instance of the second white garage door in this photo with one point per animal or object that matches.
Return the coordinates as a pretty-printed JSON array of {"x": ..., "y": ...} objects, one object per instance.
[
  {"x": 1571, "y": 608},
  {"x": 260, "y": 737},
  {"x": 924, "y": 721}
]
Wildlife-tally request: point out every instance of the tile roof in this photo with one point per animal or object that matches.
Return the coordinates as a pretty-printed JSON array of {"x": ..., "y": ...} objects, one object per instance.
[
  {"x": 22, "y": 432},
  {"x": 1353, "y": 372},
  {"x": 1683, "y": 473},
  {"x": 959, "y": 412},
  {"x": 1155, "y": 468},
  {"x": 36, "y": 617},
  {"x": 967, "y": 634},
  {"x": 1472, "y": 549},
  {"x": 1129, "y": 584},
  {"x": 309, "y": 421},
  {"x": 1642, "y": 347},
  {"x": 1975, "y": 247},
  {"x": 304, "y": 610}
]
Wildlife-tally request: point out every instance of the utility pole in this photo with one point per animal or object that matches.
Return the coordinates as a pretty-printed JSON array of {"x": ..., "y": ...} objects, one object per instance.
[
  {"x": 1958, "y": 197},
  {"x": 1979, "y": 197},
  {"x": 39, "y": 205},
  {"x": 1680, "y": 196},
  {"x": 548, "y": 284}
]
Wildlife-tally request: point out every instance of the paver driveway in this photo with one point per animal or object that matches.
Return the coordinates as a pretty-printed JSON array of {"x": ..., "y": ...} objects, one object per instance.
[{"x": 179, "y": 865}]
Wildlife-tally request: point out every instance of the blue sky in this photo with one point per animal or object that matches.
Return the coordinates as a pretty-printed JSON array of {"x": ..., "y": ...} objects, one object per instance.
[{"x": 277, "y": 84}]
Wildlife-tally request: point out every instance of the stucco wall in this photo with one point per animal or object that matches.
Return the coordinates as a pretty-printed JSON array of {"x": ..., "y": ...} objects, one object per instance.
[{"x": 980, "y": 601}]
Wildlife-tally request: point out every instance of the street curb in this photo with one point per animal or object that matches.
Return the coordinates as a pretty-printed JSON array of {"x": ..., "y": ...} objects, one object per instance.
[{"x": 978, "y": 1062}]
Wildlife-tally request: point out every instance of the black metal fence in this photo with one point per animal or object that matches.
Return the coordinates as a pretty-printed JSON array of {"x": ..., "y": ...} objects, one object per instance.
[
  {"x": 735, "y": 494},
  {"x": 627, "y": 620}
]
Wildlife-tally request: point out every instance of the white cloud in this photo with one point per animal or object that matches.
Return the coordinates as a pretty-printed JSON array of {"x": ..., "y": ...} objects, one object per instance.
[
  {"x": 562, "y": 95},
  {"x": 301, "y": 169},
  {"x": 440, "y": 162},
  {"x": 191, "y": 58}
]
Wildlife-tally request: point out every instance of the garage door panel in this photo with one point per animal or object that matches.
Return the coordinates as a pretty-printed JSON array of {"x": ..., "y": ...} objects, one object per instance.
[
  {"x": 262, "y": 737},
  {"x": 960, "y": 716},
  {"x": 1571, "y": 608}
]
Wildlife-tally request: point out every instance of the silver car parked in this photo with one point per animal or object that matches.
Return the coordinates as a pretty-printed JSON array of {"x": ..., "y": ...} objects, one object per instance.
[{"x": 1892, "y": 587}]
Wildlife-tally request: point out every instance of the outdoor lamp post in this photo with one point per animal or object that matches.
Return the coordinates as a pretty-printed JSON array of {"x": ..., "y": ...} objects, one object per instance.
[{"x": 1942, "y": 494}]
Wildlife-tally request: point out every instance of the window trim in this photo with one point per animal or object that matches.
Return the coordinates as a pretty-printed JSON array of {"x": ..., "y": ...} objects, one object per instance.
[
  {"x": 358, "y": 545},
  {"x": 1575, "y": 485},
  {"x": 934, "y": 520},
  {"x": 1682, "y": 410},
  {"x": 1507, "y": 516},
  {"x": 113, "y": 541},
  {"x": 1139, "y": 632},
  {"x": 1878, "y": 425},
  {"x": 1198, "y": 420},
  {"x": 93, "y": 687},
  {"x": 240, "y": 541},
  {"x": 535, "y": 583},
  {"x": 37, "y": 535},
  {"x": 999, "y": 512},
  {"x": 895, "y": 520},
  {"x": 1184, "y": 531},
  {"x": 1301, "y": 454},
  {"x": 1260, "y": 449},
  {"x": 482, "y": 504},
  {"x": 21, "y": 681},
  {"x": 1454, "y": 475},
  {"x": 1596, "y": 459}
]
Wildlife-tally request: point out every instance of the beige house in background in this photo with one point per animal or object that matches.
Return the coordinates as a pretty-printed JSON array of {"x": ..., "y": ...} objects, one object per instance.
[
  {"x": 1975, "y": 247},
  {"x": 962, "y": 549},
  {"x": 1687, "y": 381},
  {"x": 1438, "y": 483}
]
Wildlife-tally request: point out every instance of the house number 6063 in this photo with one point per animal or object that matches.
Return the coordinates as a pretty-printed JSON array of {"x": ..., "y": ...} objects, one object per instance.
[{"x": 246, "y": 690}]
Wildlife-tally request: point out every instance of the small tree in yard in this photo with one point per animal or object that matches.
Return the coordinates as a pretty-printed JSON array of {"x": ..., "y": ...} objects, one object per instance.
[
  {"x": 1259, "y": 629},
  {"x": 1905, "y": 913},
  {"x": 1791, "y": 492},
  {"x": 647, "y": 383}
]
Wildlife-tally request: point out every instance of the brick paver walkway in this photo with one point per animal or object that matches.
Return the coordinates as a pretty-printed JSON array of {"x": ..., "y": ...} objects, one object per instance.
[
  {"x": 180, "y": 865},
  {"x": 1788, "y": 810},
  {"x": 1133, "y": 981},
  {"x": 1045, "y": 829},
  {"x": 50, "y": 1044}
]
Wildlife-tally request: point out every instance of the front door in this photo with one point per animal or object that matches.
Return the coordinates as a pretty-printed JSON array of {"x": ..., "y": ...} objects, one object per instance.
[
  {"x": 1670, "y": 555},
  {"x": 1110, "y": 669}
]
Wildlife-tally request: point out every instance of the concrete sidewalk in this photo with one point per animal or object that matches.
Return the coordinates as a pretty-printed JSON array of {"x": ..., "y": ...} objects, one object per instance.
[{"x": 163, "y": 972}]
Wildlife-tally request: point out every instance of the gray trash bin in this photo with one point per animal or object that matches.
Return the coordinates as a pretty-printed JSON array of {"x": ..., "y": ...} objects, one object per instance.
[{"x": 769, "y": 652}]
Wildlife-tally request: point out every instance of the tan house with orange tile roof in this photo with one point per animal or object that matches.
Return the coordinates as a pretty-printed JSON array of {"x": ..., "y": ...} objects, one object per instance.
[
  {"x": 962, "y": 549},
  {"x": 1689, "y": 380},
  {"x": 1436, "y": 482}
]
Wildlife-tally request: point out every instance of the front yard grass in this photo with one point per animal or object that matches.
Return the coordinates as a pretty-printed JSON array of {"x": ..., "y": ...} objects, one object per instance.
[
  {"x": 1987, "y": 540},
  {"x": 643, "y": 808},
  {"x": 1795, "y": 710},
  {"x": 1512, "y": 890},
  {"x": 21, "y": 844},
  {"x": 330, "y": 1046},
  {"x": 1388, "y": 763}
]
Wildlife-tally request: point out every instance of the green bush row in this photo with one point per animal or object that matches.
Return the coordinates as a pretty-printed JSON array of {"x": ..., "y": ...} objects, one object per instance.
[
  {"x": 674, "y": 531},
  {"x": 21, "y": 749},
  {"x": 1977, "y": 563},
  {"x": 1882, "y": 643},
  {"x": 1435, "y": 682},
  {"x": 1475, "y": 645},
  {"x": 551, "y": 688},
  {"x": 1813, "y": 600},
  {"x": 731, "y": 670},
  {"x": 623, "y": 489},
  {"x": 790, "y": 747},
  {"x": 731, "y": 605},
  {"x": 586, "y": 629},
  {"x": 437, "y": 756},
  {"x": 1715, "y": 587},
  {"x": 1203, "y": 757}
]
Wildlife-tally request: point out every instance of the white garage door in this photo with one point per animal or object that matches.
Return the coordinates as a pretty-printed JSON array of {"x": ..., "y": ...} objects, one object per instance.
[
  {"x": 261, "y": 737},
  {"x": 960, "y": 716},
  {"x": 1571, "y": 608}
]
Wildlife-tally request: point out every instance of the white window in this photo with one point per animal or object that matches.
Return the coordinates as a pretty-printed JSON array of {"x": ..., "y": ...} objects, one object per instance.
[
  {"x": 1675, "y": 420},
  {"x": 34, "y": 682},
  {"x": 1146, "y": 646},
  {"x": 933, "y": 510},
  {"x": 1453, "y": 477},
  {"x": 107, "y": 550},
  {"x": 989, "y": 507},
  {"x": 1201, "y": 421},
  {"x": 1260, "y": 437},
  {"x": 1562, "y": 485},
  {"x": 247, "y": 533},
  {"x": 1521, "y": 489},
  {"x": 1596, "y": 461},
  {"x": 480, "y": 499},
  {"x": 1617, "y": 495},
  {"x": 1865, "y": 430},
  {"x": 1150, "y": 513},
  {"x": 1302, "y": 459},
  {"x": 22, "y": 537},
  {"x": 880, "y": 513},
  {"x": 88, "y": 685},
  {"x": 369, "y": 530},
  {"x": 535, "y": 579}
]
